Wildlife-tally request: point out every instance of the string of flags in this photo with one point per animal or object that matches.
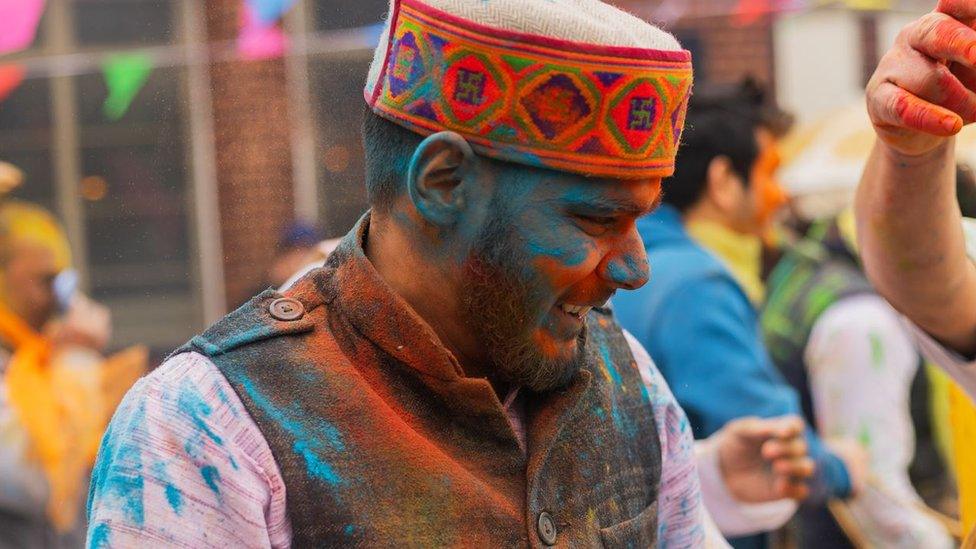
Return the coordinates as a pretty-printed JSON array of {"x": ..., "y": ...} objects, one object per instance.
[{"x": 261, "y": 37}]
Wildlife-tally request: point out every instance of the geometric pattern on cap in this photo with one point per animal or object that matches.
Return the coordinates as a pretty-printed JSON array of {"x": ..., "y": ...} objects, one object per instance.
[{"x": 589, "y": 109}]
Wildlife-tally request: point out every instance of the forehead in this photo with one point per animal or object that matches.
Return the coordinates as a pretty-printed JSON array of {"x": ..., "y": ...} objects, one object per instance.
[{"x": 570, "y": 190}]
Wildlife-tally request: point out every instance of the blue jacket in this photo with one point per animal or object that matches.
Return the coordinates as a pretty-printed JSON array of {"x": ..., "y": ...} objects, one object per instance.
[{"x": 704, "y": 335}]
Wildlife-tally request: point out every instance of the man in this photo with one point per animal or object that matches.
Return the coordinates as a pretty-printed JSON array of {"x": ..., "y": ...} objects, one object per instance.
[
  {"x": 450, "y": 377},
  {"x": 697, "y": 320},
  {"x": 56, "y": 391},
  {"x": 909, "y": 224},
  {"x": 857, "y": 370}
]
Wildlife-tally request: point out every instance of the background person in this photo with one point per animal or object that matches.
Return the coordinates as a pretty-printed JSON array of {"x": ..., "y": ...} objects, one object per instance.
[
  {"x": 697, "y": 320},
  {"x": 57, "y": 392},
  {"x": 909, "y": 224},
  {"x": 859, "y": 376}
]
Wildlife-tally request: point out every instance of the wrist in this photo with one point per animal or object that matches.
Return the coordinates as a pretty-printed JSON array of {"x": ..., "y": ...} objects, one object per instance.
[{"x": 902, "y": 158}]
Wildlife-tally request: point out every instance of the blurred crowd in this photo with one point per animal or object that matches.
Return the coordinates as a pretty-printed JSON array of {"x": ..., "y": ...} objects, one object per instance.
[{"x": 755, "y": 309}]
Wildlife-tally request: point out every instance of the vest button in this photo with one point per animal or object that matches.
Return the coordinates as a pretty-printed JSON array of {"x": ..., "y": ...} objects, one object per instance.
[
  {"x": 547, "y": 528},
  {"x": 286, "y": 309}
]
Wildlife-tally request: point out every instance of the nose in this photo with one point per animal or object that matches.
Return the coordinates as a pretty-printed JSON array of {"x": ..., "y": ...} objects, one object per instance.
[{"x": 626, "y": 267}]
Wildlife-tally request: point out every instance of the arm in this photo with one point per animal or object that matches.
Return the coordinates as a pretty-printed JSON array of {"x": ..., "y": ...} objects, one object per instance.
[
  {"x": 753, "y": 460},
  {"x": 707, "y": 340},
  {"x": 182, "y": 463},
  {"x": 908, "y": 220},
  {"x": 861, "y": 364}
]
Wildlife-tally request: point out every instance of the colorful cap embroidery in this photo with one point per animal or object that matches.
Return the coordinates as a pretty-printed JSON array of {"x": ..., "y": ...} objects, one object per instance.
[{"x": 583, "y": 108}]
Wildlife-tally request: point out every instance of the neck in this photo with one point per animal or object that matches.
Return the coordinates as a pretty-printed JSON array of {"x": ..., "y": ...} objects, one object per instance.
[{"x": 426, "y": 286}]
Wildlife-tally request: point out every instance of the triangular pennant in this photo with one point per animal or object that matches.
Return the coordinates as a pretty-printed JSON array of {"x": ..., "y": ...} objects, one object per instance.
[
  {"x": 18, "y": 23},
  {"x": 11, "y": 77},
  {"x": 125, "y": 74},
  {"x": 269, "y": 11},
  {"x": 259, "y": 40}
]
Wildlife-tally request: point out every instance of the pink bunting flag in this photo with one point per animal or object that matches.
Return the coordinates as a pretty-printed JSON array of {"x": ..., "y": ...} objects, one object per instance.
[
  {"x": 259, "y": 40},
  {"x": 18, "y": 23},
  {"x": 747, "y": 12},
  {"x": 11, "y": 77}
]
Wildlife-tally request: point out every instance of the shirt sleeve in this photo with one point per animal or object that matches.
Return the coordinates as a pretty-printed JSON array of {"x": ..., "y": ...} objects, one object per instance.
[
  {"x": 182, "y": 464},
  {"x": 961, "y": 369},
  {"x": 861, "y": 363},
  {"x": 681, "y": 515}
]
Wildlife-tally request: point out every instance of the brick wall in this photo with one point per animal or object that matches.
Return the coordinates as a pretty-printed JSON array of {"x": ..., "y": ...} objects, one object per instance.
[
  {"x": 724, "y": 52},
  {"x": 253, "y": 155}
]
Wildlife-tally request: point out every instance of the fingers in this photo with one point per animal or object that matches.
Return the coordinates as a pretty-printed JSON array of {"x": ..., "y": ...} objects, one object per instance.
[
  {"x": 936, "y": 83},
  {"x": 963, "y": 10},
  {"x": 966, "y": 75},
  {"x": 759, "y": 429},
  {"x": 797, "y": 469},
  {"x": 940, "y": 36},
  {"x": 894, "y": 107},
  {"x": 784, "y": 488},
  {"x": 785, "y": 448}
]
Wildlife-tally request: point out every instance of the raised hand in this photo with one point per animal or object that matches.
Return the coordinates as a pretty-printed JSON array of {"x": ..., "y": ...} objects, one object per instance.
[
  {"x": 765, "y": 459},
  {"x": 922, "y": 91}
]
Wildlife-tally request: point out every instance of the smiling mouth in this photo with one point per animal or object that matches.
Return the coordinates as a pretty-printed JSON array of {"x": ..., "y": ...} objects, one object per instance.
[{"x": 576, "y": 311}]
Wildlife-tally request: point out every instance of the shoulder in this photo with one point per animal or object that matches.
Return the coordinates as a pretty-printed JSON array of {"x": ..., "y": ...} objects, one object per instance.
[
  {"x": 267, "y": 316},
  {"x": 861, "y": 313},
  {"x": 181, "y": 449}
]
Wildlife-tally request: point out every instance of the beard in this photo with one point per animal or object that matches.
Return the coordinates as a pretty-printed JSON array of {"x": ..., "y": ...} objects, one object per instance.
[{"x": 503, "y": 313}]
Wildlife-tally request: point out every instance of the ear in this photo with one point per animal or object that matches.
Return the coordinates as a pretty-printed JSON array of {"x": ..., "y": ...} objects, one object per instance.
[
  {"x": 722, "y": 185},
  {"x": 435, "y": 181}
]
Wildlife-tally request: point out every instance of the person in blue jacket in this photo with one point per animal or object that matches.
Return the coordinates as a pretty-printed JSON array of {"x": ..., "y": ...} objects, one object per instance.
[{"x": 695, "y": 316}]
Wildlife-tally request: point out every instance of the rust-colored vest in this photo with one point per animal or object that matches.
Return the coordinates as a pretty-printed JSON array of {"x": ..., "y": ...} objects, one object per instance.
[{"x": 382, "y": 441}]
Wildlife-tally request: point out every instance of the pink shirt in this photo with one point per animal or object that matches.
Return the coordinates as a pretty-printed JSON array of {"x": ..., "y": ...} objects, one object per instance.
[{"x": 189, "y": 468}]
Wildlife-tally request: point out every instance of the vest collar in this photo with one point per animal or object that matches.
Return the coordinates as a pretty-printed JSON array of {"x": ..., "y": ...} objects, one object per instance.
[{"x": 351, "y": 283}]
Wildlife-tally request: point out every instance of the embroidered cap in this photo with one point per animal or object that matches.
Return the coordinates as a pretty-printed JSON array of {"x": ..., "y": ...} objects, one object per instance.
[{"x": 572, "y": 85}]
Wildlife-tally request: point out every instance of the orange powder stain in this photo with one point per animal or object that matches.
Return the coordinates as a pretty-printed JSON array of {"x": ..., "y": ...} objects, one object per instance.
[{"x": 926, "y": 117}]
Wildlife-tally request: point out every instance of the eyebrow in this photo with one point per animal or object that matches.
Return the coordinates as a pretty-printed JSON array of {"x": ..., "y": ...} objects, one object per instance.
[{"x": 611, "y": 205}]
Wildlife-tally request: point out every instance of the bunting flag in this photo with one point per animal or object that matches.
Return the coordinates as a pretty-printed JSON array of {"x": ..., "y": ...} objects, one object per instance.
[
  {"x": 18, "y": 23},
  {"x": 259, "y": 40},
  {"x": 11, "y": 77},
  {"x": 125, "y": 74},
  {"x": 268, "y": 12},
  {"x": 747, "y": 12}
]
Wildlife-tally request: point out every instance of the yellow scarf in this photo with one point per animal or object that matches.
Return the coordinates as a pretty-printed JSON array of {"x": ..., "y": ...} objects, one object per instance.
[
  {"x": 64, "y": 402},
  {"x": 740, "y": 253}
]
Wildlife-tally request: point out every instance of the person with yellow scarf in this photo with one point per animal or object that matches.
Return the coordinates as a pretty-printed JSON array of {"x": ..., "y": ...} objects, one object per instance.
[
  {"x": 56, "y": 390},
  {"x": 910, "y": 229}
]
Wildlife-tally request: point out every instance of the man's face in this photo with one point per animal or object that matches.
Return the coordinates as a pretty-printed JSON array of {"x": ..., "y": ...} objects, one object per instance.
[
  {"x": 29, "y": 283},
  {"x": 758, "y": 201},
  {"x": 552, "y": 246}
]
